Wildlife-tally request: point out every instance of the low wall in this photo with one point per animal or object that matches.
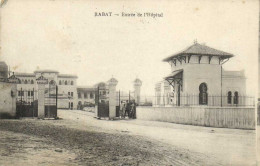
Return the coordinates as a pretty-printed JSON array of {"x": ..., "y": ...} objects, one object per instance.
[
  {"x": 7, "y": 102},
  {"x": 228, "y": 117}
]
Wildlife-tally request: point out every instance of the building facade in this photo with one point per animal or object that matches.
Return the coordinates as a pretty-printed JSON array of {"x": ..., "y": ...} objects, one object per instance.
[
  {"x": 67, "y": 86},
  {"x": 198, "y": 78},
  {"x": 70, "y": 95}
]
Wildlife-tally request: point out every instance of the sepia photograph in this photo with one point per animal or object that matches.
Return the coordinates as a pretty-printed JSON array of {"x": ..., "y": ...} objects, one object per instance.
[{"x": 129, "y": 83}]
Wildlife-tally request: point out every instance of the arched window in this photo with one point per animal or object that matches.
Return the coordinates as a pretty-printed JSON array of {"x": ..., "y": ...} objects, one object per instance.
[
  {"x": 236, "y": 97},
  {"x": 66, "y": 82},
  {"x": 203, "y": 95},
  {"x": 52, "y": 82},
  {"x": 229, "y": 97},
  {"x": 25, "y": 82},
  {"x": 72, "y": 83},
  {"x": 32, "y": 82},
  {"x": 60, "y": 82}
]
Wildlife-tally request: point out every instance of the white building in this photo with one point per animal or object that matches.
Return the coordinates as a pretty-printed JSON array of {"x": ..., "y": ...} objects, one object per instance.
[
  {"x": 67, "y": 86},
  {"x": 197, "y": 78}
]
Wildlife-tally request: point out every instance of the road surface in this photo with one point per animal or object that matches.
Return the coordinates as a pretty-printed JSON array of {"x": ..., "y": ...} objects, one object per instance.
[{"x": 80, "y": 139}]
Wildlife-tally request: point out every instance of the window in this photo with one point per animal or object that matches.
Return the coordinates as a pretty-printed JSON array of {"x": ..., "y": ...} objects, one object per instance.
[
  {"x": 60, "y": 82},
  {"x": 91, "y": 95},
  {"x": 19, "y": 93},
  {"x": 32, "y": 93},
  {"x": 32, "y": 82},
  {"x": 52, "y": 82},
  {"x": 85, "y": 95},
  {"x": 71, "y": 93},
  {"x": 25, "y": 82},
  {"x": 71, "y": 105},
  {"x": 79, "y": 103},
  {"x": 79, "y": 95},
  {"x": 236, "y": 98},
  {"x": 229, "y": 98},
  {"x": 72, "y": 82},
  {"x": 203, "y": 95},
  {"x": 66, "y": 82},
  {"x": 29, "y": 93},
  {"x": 104, "y": 92}
]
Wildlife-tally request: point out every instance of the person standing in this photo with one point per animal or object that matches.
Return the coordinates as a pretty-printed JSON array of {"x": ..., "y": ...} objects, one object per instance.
[
  {"x": 122, "y": 110},
  {"x": 127, "y": 109}
]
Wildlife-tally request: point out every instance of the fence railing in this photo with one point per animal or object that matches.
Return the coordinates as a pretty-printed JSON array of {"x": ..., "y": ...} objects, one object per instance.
[
  {"x": 26, "y": 96},
  {"x": 210, "y": 100},
  {"x": 196, "y": 100}
]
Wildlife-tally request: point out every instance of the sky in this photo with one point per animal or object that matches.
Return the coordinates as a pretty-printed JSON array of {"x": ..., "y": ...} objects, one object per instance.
[{"x": 65, "y": 35}]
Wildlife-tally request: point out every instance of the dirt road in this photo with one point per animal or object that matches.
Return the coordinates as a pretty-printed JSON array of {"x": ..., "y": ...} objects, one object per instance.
[
  {"x": 80, "y": 139},
  {"x": 258, "y": 145}
]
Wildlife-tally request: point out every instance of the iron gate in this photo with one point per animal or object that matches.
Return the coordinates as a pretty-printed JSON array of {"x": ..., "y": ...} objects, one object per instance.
[
  {"x": 51, "y": 100},
  {"x": 102, "y": 101},
  {"x": 27, "y": 103},
  {"x": 127, "y": 101}
]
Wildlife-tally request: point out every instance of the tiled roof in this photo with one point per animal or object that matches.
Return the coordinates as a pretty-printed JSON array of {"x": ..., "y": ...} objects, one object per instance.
[
  {"x": 86, "y": 88},
  {"x": 199, "y": 49},
  {"x": 46, "y": 71},
  {"x": 24, "y": 74},
  {"x": 67, "y": 76}
]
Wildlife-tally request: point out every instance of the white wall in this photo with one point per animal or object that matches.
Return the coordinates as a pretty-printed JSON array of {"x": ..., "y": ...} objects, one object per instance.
[
  {"x": 195, "y": 74},
  {"x": 228, "y": 117},
  {"x": 7, "y": 103}
]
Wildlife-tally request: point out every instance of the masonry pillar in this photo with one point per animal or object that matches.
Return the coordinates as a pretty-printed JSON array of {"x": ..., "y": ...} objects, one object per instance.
[
  {"x": 41, "y": 81},
  {"x": 112, "y": 97},
  {"x": 13, "y": 80},
  {"x": 137, "y": 90}
]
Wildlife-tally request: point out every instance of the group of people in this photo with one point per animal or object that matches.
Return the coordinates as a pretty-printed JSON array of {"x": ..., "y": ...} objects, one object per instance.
[{"x": 128, "y": 109}]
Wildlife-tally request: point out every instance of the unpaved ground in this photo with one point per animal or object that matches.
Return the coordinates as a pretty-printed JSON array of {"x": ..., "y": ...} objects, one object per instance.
[
  {"x": 84, "y": 147},
  {"x": 21, "y": 149},
  {"x": 221, "y": 145},
  {"x": 80, "y": 139},
  {"x": 258, "y": 145}
]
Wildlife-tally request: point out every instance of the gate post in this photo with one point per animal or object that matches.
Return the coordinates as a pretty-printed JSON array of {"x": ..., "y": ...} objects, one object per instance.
[
  {"x": 13, "y": 80},
  {"x": 137, "y": 90},
  {"x": 112, "y": 97},
  {"x": 41, "y": 82}
]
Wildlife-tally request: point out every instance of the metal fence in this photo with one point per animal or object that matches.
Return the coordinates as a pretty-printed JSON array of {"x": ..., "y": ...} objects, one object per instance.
[{"x": 196, "y": 100}]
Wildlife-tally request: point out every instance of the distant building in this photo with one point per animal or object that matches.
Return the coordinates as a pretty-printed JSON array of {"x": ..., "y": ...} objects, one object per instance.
[
  {"x": 67, "y": 85},
  {"x": 197, "y": 78},
  {"x": 3, "y": 70},
  {"x": 86, "y": 95}
]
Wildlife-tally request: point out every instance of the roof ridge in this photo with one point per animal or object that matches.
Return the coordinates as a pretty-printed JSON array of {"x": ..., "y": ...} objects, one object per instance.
[{"x": 200, "y": 49}]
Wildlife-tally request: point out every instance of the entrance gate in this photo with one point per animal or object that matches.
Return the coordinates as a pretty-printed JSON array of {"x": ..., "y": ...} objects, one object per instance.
[
  {"x": 102, "y": 101},
  {"x": 50, "y": 100},
  {"x": 126, "y": 99},
  {"x": 27, "y": 103}
]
